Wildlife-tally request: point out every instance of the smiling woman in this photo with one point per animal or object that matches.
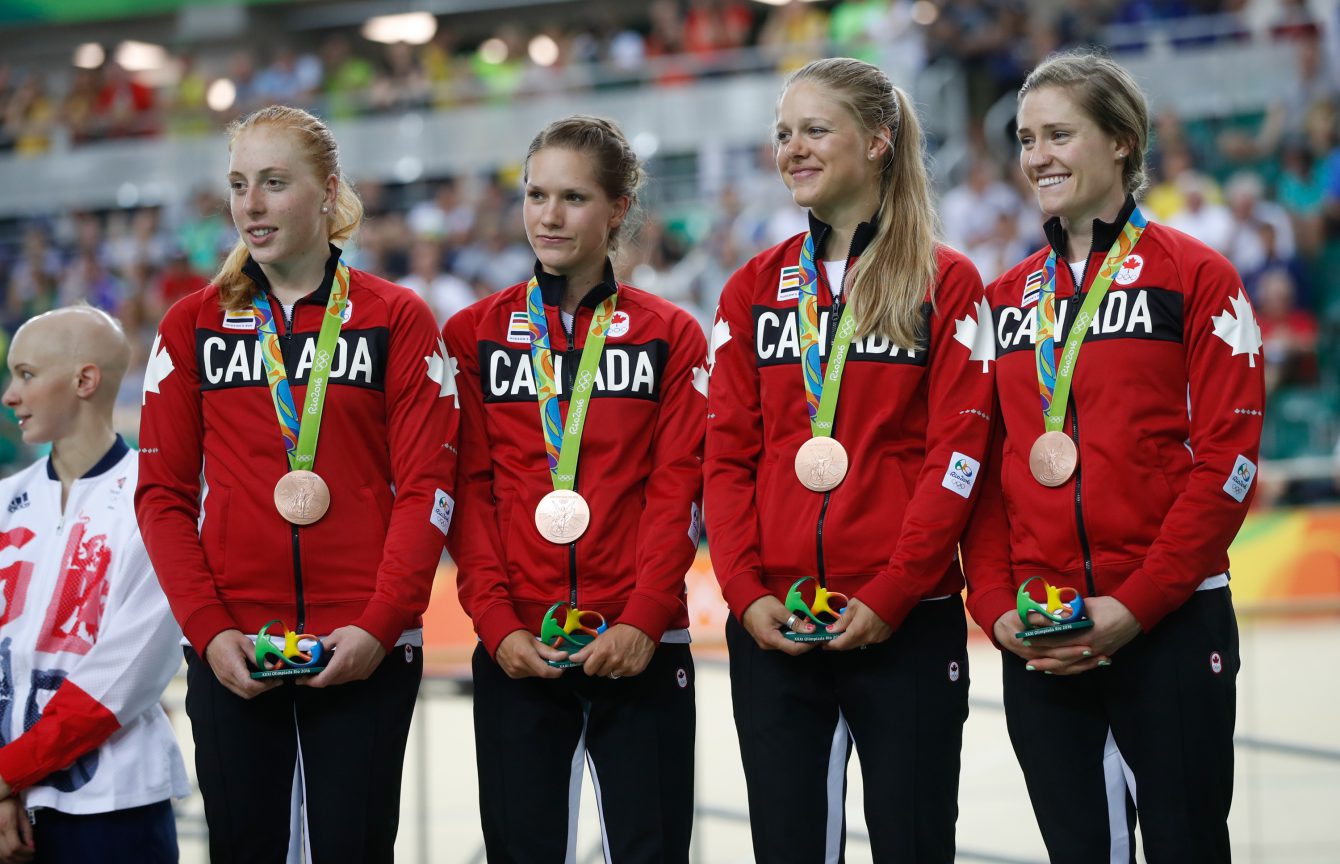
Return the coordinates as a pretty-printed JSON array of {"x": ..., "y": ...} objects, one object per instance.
[
  {"x": 347, "y": 554},
  {"x": 834, "y": 521},
  {"x": 1136, "y": 514}
]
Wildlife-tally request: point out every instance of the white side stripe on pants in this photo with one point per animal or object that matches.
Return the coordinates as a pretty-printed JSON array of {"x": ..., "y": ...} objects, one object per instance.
[
  {"x": 837, "y": 777},
  {"x": 1119, "y": 780}
]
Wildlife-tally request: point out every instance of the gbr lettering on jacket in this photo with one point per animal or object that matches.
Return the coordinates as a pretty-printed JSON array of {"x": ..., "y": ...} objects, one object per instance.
[
  {"x": 777, "y": 340},
  {"x": 234, "y": 359},
  {"x": 1145, "y": 313},
  {"x": 631, "y": 371}
]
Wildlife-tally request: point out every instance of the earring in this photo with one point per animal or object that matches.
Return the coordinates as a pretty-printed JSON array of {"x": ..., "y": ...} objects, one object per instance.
[
  {"x": 325, "y": 209},
  {"x": 870, "y": 155}
]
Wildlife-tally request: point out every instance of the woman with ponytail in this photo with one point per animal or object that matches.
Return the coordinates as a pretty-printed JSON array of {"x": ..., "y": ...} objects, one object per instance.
[
  {"x": 833, "y": 523},
  {"x": 254, "y": 531}
]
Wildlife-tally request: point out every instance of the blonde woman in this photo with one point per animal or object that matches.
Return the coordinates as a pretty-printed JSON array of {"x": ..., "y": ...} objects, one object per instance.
[{"x": 838, "y": 518}]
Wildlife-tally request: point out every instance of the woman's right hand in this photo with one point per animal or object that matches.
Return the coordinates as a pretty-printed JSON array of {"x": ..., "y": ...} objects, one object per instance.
[
  {"x": 766, "y": 618},
  {"x": 521, "y": 655},
  {"x": 227, "y": 655}
]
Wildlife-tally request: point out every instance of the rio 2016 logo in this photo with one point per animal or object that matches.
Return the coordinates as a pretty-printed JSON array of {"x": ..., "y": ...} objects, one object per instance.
[{"x": 963, "y": 467}]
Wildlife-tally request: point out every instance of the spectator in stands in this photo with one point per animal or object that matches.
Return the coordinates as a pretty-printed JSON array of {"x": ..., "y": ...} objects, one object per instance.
[
  {"x": 970, "y": 212},
  {"x": 444, "y": 293},
  {"x": 77, "y": 107},
  {"x": 794, "y": 34},
  {"x": 87, "y": 280},
  {"x": 34, "y": 279},
  {"x": 1208, "y": 222},
  {"x": 86, "y": 629},
  {"x": 205, "y": 235},
  {"x": 447, "y": 216},
  {"x": 176, "y": 281},
  {"x": 124, "y": 107},
  {"x": 29, "y": 117},
  {"x": 290, "y": 79},
  {"x": 400, "y": 83},
  {"x": 347, "y": 77},
  {"x": 1249, "y": 210},
  {"x": 1288, "y": 333},
  {"x": 1146, "y": 694}
]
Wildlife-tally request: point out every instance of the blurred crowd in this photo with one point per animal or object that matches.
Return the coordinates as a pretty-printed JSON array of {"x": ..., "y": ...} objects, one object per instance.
[
  {"x": 664, "y": 42},
  {"x": 1263, "y": 189}
]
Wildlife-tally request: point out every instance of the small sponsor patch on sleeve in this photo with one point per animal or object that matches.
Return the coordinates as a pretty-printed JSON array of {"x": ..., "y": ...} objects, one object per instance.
[
  {"x": 962, "y": 473},
  {"x": 443, "y": 506},
  {"x": 1240, "y": 479},
  {"x": 695, "y": 523}
]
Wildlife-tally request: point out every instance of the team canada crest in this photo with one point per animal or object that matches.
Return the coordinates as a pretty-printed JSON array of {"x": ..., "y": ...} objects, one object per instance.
[
  {"x": 1129, "y": 270},
  {"x": 618, "y": 324}
]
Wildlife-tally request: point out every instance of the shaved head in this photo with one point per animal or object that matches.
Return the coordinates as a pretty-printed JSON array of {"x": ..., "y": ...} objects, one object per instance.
[{"x": 73, "y": 337}]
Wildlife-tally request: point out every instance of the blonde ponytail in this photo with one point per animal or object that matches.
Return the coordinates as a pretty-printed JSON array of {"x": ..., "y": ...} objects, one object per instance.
[{"x": 898, "y": 268}]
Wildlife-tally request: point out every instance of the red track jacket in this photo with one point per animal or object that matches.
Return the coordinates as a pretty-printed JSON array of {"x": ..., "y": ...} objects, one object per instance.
[
  {"x": 1165, "y": 409},
  {"x": 226, "y": 558},
  {"x": 640, "y": 467},
  {"x": 915, "y": 424}
]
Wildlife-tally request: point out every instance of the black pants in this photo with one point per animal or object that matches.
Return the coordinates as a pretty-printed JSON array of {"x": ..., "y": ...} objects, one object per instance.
[
  {"x": 904, "y": 702},
  {"x": 139, "y": 835},
  {"x": 1167, "y": 704},
  {"x": 636, "y": 733},
  {"x": 352, "y": 749}
]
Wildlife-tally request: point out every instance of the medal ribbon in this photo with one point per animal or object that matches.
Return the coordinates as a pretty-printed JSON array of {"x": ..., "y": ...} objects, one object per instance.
[
  {"x": 821, "y": 390},
  {"x": 1053, "y": 379},
  {"x": 562, "y": 443},
  {"x": 299, "y": 436}
]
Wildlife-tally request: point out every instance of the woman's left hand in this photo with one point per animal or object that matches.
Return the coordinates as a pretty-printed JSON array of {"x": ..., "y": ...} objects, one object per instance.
[
  {"x": 358, "y": 656},
  {"x": 859, "y": 626},
  {"x": 622, "y": 651},
  {"x": 1113, "y": 627}
]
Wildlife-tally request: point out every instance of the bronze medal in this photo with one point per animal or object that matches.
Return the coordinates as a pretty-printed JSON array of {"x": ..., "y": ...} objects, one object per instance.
[
  {"x": 562, "y": 516},
  {"x": 1053, "y": 458},
  {"x": 821, "y": 463},
  {"x": 302, "y": 497}
]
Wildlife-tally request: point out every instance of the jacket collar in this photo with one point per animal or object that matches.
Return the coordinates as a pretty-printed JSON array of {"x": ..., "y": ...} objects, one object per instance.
[
  {"x": 109, "y": 459},
  {"x": 1104, "y": 233},
  {"x": 553, "y": 287},
  {"x": 321, "y": 295},
  {"x": 865, "y": 232}
]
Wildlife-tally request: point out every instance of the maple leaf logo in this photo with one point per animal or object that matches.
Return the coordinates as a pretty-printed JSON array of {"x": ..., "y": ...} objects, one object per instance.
[
  {"x": 720, "y": 336},
  {"x": 1237, "y": 326},
  {"x": 978, "y": 339},
  {"x": 442, "y": 370},
  {"x": 159, "y": 367}
]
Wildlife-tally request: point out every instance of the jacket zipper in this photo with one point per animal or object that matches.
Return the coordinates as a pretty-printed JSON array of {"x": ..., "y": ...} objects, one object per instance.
[
  {"x": 569, "y": 378},
  {"x": 289, "y": 314},
  {"x": 834, "y": 315},
  {"x": 1074, "y": 434}
]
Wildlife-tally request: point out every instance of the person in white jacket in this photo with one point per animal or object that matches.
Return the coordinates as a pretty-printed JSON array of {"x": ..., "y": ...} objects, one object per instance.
[{"x": 87, "y": 642}]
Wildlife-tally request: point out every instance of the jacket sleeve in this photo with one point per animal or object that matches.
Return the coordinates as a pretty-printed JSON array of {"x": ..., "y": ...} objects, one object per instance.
[
  {"x": 474, "y": 542},
  {"x": 667, "y": 533},
  {"x": 959, "y": 393},
  {"x": 1225, "y": 373},
  {"x": 733, "y": 446},
  {"x": 121, "y": 676},
  {"x": 422, "y": 411},
  {"x": 167, "y": 499},
  {"x": 985, "y": 546}
]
